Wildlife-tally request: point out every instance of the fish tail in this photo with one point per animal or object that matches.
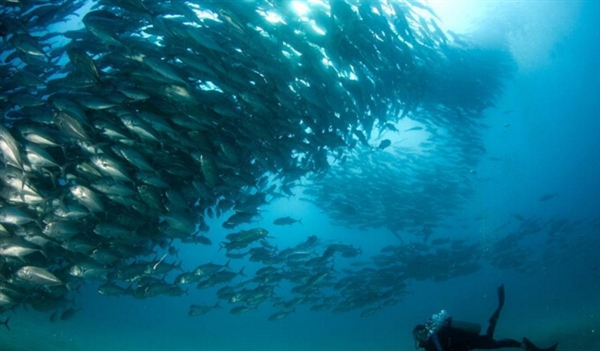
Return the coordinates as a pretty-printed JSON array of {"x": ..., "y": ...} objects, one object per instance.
[
  {"x": 5, "y": 323},
  {"x": 51, "y": 176}
]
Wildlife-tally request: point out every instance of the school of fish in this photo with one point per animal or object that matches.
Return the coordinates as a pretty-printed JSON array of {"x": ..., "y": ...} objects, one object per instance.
[{"x": 122, "y": 137}]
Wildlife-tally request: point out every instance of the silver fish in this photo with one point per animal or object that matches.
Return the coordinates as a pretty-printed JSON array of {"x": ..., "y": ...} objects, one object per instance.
[
  {"x": 87, "y": 198},
  {"x": 38, "y": 136},
  {"x": 110, "y": 168},
  {"x": 37, "y": 276},
  {"x": 10, "y": 148},
  {"x": 70, "y": 125},
  {"x": 133, "y": 156},
  {"x": 18, "y": 248},
  {"x": 12, "y": 215},
  {"x": 88, "y": 270}
]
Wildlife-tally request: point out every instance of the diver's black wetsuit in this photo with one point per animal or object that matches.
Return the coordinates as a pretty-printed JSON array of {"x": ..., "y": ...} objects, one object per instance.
[{"x": 451, "y": 339}]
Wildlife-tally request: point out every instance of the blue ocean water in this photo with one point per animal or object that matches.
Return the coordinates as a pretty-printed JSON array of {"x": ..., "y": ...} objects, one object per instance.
[{"x": 540, "y": 177}]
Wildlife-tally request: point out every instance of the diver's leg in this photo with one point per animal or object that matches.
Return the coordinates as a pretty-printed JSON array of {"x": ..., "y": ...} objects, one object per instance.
[
  {"x": 494, "y": 318},
  {"x": 488, "y": 344},
  {"x": 502, "y": 343}
]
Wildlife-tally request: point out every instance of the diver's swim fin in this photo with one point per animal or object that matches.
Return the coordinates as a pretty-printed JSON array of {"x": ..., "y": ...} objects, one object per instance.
[{"x": 529, "y": 346}]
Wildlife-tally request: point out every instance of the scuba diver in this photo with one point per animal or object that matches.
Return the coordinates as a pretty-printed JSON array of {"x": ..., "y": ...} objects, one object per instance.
[{"x": 442, "y": 333}]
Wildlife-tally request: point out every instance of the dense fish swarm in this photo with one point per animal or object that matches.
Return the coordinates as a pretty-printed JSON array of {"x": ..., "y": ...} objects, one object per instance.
[{"x": 127, "y": 134}]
